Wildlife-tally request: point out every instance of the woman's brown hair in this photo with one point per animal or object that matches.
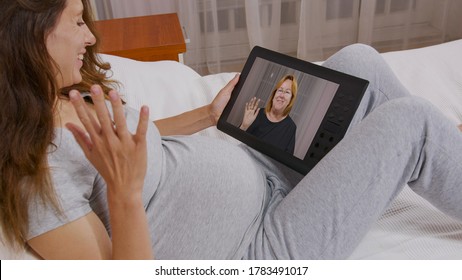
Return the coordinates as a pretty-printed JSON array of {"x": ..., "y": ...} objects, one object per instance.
[{"x": 28, "y": 95}]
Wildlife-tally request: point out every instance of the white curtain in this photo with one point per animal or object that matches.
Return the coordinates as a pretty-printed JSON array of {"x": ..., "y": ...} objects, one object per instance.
[{"x": 221, "y": 33}]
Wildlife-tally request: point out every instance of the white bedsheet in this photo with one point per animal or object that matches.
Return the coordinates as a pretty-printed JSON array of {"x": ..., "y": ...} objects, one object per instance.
[{"x": 411, "y": 228}]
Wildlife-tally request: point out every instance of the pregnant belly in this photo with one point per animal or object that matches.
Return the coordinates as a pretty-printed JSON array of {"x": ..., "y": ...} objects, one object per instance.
[{"x": 210, "y": 201}]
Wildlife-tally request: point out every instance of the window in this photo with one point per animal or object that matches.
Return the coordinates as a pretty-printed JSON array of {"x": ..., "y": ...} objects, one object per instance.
[
  {"x": 336, "y": 9},
  {"x": 394, "y": 6}
]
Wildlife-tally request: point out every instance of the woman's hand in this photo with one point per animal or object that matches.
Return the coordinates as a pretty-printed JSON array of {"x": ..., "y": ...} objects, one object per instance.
[
  {"x": 219, "y": 102},
  {"x": 119, "y": 156},
  {"x": 250, "y": 113}
]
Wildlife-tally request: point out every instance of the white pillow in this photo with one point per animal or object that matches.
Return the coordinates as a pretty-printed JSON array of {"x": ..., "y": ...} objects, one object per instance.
[
  {"x": 165, "y": 86},
  {"x": 168, "y": 87},
  {"x": 432, "y": 73}
]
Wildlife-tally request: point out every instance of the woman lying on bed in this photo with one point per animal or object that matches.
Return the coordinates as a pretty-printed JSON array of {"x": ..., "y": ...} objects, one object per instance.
[{"x": 134, "y": 194}]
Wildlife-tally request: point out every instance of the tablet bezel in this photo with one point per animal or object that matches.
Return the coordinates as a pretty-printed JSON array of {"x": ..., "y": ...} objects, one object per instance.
[{"x": 333, "y": 126}]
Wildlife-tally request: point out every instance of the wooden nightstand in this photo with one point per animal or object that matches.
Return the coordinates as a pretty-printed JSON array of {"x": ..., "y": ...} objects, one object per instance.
[{"x": 147, "y": 38}]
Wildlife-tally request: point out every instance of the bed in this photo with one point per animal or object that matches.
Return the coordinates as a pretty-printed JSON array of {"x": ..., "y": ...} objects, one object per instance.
[{"x": 410, "y": 228}]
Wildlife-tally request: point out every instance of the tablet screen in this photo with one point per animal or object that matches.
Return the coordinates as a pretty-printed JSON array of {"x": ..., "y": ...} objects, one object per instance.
[{"x": 289, "y": 109}]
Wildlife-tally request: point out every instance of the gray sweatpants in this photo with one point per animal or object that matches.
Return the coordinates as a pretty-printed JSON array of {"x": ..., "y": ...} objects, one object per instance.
[{"x": 394, "y": 139}]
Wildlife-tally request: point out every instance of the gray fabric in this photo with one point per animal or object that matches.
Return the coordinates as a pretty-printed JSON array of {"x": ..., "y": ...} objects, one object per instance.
[
  {"x": 79, "y": 187},
  {"x": 329, "y": 211},
  {"x": 404, "y": 140},
  {"x": 208, "y": 199}
]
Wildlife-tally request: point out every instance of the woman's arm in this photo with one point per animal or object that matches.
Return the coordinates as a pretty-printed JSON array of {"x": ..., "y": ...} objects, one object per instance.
[
  {"x": 198, "y": 119},
  {"x": 187, "y": 123},
  {"x": 85, "y": 238},
  {"x": 121, "y": 159}
]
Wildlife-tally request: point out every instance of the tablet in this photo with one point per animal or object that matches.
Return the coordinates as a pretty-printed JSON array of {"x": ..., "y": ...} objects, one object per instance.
[{"x": 289, "y": 109}]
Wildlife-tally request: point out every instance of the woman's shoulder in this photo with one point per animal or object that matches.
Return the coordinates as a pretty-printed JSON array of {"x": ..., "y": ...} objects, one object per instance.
[
  {"x": 290, "y": 122},
  {"x": 289, "y": 119}
]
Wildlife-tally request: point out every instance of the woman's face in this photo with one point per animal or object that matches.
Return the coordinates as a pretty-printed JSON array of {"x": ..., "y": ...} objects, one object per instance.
[
  {"x": 282, "y": 96},
  {"x": 67, "y": 42}
]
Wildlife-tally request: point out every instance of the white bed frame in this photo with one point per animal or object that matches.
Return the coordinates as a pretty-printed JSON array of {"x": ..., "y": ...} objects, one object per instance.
[{"x": 411, "y": 228}]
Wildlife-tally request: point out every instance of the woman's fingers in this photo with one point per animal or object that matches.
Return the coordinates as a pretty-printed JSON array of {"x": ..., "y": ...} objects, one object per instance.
[
  {"x": 252, "y": 105},
  {"x": 97, "y": 95},
  {"x": 84, "y": 115},
  {"x": 106, "y": 124},
  {"x": 106, "y": 128},
  {"x": 232, "y": 83},
  {"x": 255, "y": 103},
  {"x": 120, "y": 121},
  {"x": 248, "y": 105},
  {"x": 142, "y": 128},
  {"x": 119, "y": 114}
]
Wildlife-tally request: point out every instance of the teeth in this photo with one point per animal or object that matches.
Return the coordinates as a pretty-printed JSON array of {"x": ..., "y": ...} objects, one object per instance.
[{"x": 80, "y": 56}]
